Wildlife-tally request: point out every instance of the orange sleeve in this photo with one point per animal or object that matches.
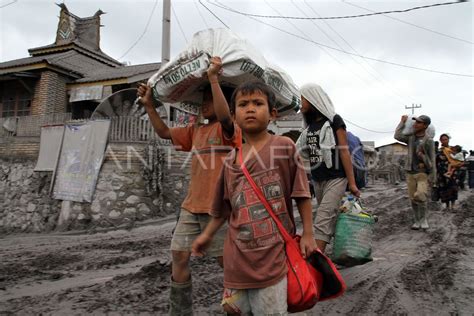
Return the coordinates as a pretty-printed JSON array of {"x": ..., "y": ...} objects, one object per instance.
[
  {"x": 221, "y": 206},
  {"x": 182, "y": 137},
  {"x": 235, "y": 140}
]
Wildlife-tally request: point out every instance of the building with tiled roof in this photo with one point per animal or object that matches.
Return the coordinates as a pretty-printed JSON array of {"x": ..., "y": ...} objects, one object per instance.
[
  {"x": 288, "y": 125},
  {"x": 70, "y": 75}
]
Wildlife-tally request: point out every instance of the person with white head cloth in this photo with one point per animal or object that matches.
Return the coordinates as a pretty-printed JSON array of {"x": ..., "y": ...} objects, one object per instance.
[{"x": 324, "y": 144}]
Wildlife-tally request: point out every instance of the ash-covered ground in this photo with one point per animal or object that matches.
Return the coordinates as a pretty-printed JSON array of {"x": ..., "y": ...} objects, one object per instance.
[{"x": 127, "y": 272}]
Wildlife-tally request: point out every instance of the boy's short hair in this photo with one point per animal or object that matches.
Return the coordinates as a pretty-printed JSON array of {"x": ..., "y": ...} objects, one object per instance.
[
  {"x": 458, "y": 148},
  {"x": 251, "y": 87}
]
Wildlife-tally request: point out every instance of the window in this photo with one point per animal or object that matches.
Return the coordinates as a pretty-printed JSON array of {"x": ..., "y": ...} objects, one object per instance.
[
  {"x": 8, "y": 107},
  {"x": 23, "y": 105},
  {"x": 15, "y": 99}
]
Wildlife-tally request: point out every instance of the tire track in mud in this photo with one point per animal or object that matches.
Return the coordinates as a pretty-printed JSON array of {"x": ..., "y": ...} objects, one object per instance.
[
  {"x": 440, "y": 269},
  {"x": 413, "y": 271},
  {"x": 85, "y": 258},
  {"x": 66, "y": 261}
]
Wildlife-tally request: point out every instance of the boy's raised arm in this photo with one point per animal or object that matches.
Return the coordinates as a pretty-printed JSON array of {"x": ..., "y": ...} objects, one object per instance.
[
  {"x": 221, "y": 108},
  {"x": 144, "y": 92}
]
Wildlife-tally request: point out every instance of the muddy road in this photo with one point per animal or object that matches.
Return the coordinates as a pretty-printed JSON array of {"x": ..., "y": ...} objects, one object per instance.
[{"x": 127, "y": 272}]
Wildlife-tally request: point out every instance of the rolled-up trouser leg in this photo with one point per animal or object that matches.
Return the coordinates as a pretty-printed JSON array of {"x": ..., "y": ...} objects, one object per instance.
[
  {"x": 423, "y": 211},
  {"x": 416, "y": 215},
  {"x": 181, "y": 301},
  {"x": 328, "y": 194}
]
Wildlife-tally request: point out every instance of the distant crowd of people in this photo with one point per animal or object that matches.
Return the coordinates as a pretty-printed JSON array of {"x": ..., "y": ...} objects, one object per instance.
[
  {"x": 430, "y": 167},
  {"x": 453, "y": 168}
]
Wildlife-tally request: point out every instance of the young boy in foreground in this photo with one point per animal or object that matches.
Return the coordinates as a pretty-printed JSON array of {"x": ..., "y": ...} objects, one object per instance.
[{"x": 254, "y": 251}]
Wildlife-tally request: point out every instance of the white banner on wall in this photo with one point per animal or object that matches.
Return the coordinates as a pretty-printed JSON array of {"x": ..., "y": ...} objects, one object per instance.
[
  {"x": 50, "y": 145},
  {"x": 80, "y": 161}
]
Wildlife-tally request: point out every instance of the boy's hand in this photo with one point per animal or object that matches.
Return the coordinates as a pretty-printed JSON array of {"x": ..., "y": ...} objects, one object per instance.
[
  {"x": 404, "y": 118},
  {"x": 307, "y": 245},
  {"x": 354, "y": 190},
  {"x": 200, "y": 244},
  {"x": 215, "y": 67},
  {"x": 144, "y": 92}
]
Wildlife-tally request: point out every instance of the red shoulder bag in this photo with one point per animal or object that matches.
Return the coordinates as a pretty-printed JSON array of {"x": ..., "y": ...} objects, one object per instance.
[{"x": 306, "y": 278}]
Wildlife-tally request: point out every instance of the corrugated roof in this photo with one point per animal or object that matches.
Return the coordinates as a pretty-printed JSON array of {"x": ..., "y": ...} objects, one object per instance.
[{"x": 121, "y": 72}]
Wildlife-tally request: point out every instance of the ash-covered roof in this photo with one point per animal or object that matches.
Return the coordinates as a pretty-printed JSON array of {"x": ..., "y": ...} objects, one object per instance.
[
  {"x": 121, "y": 72},
  {"x": 72, "y": 61}
]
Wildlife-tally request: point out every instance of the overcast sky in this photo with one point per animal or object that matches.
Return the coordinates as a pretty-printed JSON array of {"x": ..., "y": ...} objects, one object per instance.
[{"x": 365, "y": 92}]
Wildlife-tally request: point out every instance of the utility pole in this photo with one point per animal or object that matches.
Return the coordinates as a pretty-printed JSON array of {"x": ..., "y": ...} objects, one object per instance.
[
  {"x": 165, "y": 36},
  {"x": 165, "y": 43},
  {"x": 413, "y": 107}
]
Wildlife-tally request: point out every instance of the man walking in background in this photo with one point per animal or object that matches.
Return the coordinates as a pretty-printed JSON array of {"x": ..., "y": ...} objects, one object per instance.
[{"x": 420, "y": 166}]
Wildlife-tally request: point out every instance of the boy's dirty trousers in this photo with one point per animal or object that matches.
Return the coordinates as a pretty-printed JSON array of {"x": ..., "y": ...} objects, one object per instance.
[{"x": 417, "y": 184}]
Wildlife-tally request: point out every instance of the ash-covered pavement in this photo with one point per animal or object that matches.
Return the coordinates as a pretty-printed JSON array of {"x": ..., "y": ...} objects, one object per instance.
[{"x": 127, "y": 272}]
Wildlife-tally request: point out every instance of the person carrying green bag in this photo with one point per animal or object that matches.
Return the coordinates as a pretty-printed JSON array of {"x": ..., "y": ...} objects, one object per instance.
[
  {"x": 324, "y": 144},
  {"x": 353, "y": 234}
]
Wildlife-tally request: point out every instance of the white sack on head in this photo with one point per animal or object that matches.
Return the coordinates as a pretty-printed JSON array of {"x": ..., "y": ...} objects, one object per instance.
[
  {"x": 408, "y": 129},
  {"x": 319, "y": 99},
  {"x": 181, "y": 79}
]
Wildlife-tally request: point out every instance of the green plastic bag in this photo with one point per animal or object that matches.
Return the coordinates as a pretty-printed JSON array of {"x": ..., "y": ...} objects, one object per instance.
[{"x": 353, "y": 239}]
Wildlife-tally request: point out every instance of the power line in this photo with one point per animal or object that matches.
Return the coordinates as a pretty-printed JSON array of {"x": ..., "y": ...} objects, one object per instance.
[
  {"x": 367, "y": 129},
  {"x": 358, "y": 55},
  {"x": 213, "y": 14},
  {"x": 179, "y": 24},
  {"x": 143, "y": 33},
  {"x": 412, "y": 24},
  {"x": 370, "y": 130},
  {"x": 202, "y": 17},
  {"x": 350, "y": 122},
  {"x": 322, "y": 48},
  {"x": 335, "y": 17},
  {"x": 379, "y": 77},
  {"x": 438, "y": 123},
  {"x": 7, "y": 4}
]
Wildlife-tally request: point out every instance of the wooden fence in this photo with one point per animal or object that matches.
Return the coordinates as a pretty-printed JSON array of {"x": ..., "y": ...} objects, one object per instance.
[{"x": 131, "y": 129}]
